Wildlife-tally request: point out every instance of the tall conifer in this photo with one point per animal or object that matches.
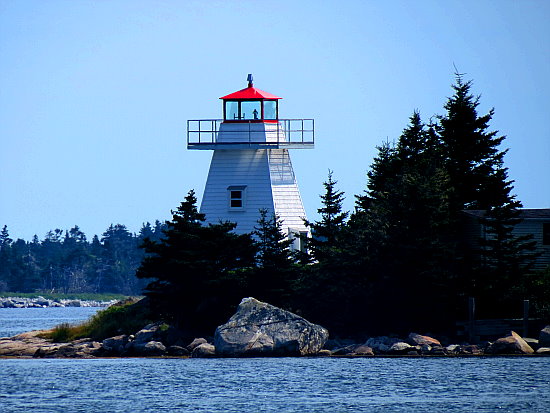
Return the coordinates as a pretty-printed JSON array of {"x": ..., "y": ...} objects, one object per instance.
[{"x": 478, "y": 180}]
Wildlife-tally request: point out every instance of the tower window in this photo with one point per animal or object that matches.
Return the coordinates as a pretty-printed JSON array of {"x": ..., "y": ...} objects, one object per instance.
[{"x": 236, "y": 197}]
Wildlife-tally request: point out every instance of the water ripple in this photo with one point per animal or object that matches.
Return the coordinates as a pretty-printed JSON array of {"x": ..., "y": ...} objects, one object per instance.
[{"x": 276, "y": 385}]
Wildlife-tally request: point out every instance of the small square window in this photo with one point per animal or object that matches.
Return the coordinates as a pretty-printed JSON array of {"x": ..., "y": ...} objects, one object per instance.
[{"x": 236, "y": 197}]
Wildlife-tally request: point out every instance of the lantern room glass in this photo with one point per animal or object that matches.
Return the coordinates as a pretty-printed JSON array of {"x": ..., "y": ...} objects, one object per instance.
[
  {"x": 231, "y": 110},
  {"x": 270, "y": 109},
  {"x": 251, "y": 110}
]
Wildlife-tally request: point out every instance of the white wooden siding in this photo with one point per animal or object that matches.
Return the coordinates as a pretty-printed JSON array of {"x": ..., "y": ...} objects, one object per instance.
[
  {"x": 270, "y": 183},
  {"x": 286, "y": 195},
  {"x": 247, "y": 168},
  {"x": 267, "y": 175}
]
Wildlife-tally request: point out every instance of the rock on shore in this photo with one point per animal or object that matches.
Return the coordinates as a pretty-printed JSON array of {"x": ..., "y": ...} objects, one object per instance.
[
  {"x": 32, "y": 345},
  {"x": 260, "y": 329},
  {"x": 511, "y": 344}
]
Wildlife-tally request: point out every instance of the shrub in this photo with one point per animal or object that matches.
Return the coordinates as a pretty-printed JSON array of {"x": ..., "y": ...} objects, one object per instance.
[{"x": 125, "y": 317}]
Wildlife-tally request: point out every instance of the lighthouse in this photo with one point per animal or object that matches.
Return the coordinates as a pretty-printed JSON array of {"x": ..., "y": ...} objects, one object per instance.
[{"x": 251, "y": 168}]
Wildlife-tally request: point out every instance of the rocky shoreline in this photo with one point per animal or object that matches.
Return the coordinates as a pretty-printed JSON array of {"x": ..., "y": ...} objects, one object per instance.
[
  {"x": 260, "y": 329},
  {"x": 41, "y": 302}
]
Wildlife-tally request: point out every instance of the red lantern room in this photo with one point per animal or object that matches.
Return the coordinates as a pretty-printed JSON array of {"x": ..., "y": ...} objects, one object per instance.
[
  {"x": 251, "y": 105},
  {"x": 250, "y": 120}
]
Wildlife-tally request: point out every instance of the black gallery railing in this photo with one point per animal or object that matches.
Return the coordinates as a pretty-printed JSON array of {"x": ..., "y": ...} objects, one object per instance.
[{"x": 289, "y": 133}]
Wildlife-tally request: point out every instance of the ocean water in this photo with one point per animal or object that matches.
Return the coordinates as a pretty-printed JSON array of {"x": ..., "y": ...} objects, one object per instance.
[
  {"x": 18, "y": 320},
  {"x": 282, "y": 384},
  {"x": 503, "y": 384}
]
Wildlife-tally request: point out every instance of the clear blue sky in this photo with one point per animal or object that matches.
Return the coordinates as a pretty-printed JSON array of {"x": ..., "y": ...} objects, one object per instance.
[{"x": 94, "y": 95}]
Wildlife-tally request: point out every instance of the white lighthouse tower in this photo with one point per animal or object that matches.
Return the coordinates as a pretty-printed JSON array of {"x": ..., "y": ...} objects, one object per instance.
[{"x": 251, "y": 168}]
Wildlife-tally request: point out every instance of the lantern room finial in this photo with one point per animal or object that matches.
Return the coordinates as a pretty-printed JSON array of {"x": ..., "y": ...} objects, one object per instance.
[{"x": 250, "y": 79}]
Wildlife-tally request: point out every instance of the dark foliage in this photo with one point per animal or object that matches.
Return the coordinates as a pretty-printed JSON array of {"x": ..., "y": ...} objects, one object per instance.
[
  {"x": 198, "y": 271},
  {"x": 478, "y": 180},
  {"x": 66, "y": 262},
  {"x": 274, "y": 276}
]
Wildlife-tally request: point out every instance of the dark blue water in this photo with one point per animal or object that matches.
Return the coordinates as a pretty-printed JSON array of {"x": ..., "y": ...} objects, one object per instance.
[
  {"x": 286, "y": 385},
  {"x": 18, "y": 320},
  {"x": 515, "y": 384}
]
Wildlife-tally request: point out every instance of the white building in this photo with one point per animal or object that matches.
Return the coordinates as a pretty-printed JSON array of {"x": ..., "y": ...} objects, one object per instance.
[{"x": 251, "y": 168}]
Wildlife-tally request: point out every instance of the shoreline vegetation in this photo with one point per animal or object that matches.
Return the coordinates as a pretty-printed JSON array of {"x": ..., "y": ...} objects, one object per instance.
[{"x": 126, "y": 329}]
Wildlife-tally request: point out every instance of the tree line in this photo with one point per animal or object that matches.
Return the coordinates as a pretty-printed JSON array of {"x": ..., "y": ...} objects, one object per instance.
[
  {"x": 400, "y": 261},
  {"x": 66, "y": 262}
]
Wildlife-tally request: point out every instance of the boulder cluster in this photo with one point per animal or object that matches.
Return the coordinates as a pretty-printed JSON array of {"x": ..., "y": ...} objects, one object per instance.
[
  {"x": 41, "y": 302},
  {"x": 256, "y": 329},
  {"x": 421, "y": 345},
  {"x": 260, "y": 329}
]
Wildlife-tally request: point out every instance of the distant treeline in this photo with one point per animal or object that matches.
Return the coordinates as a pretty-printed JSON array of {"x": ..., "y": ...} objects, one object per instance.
[{"x": 66, "y": 262}]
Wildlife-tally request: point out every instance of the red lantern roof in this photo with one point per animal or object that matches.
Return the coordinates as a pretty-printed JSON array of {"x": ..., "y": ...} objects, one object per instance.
[{"x": 250, "y": 93}]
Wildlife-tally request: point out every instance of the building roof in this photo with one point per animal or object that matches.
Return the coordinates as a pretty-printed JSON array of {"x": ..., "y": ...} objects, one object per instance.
[
  {"x": 535, "y": 213},
  {"x": 525, "y": 213},
  {"x": 250, "y": 93}
]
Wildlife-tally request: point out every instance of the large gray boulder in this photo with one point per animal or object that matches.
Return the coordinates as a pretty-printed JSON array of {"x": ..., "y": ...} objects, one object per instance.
[
  {"x": 204, "y": 350},
  {"x": 401, "y": 348},
  {"x": 115, "y": 345},
  {"x": 382, "y": 344},
  {"x": 151, "y": 332},
  {"x": 195, "y": 343},
  {"x": 260, "y": 329}
]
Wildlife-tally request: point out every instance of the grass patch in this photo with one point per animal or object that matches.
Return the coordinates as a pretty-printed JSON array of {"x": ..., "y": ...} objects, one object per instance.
[
  {"x": 62, "y": 296},
  {"x": 125, "y": 317}
]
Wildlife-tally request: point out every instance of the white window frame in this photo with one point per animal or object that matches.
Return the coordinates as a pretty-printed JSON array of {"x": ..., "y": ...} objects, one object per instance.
[
  {"x": 297, "y": 243},
  {"x": 230, "y": 198}
]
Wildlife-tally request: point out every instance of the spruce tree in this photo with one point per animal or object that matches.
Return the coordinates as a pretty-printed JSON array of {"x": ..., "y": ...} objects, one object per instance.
[
  {"x": 472, "y": 157},
  {"x": 478, "y": 180},
  {"x": 396, "y": 227},
  {"x": 6, "y": 259},
  {"x": 327, "y": 233},
  {"x": 272, "y": 281},
  {"x": 326, "y": 288},
  {"x": 197, "y": 271}
]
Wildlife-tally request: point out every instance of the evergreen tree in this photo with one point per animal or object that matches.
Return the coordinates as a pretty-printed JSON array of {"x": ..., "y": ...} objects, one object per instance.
[
  {"x": 197, "y": 271},
  {"x": 327, "y": 288},
  {"x": 471, "y": 152},
  {"x": 478, "y": 180},
  {"x": 325, "y": 243},
  {"x": 51, "y": 258},
  {"x": 5, "y": 259},
  {"x": 122, "y": 258},
  {"x": 5, "y": 240},
  {"x": 396, "y": 227},
  {"x": 76, "y": 261},
  {"x": 272, "y": 281},
  {"x": 100, "y": 269}
]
